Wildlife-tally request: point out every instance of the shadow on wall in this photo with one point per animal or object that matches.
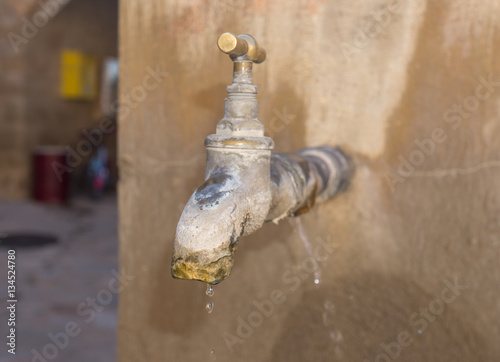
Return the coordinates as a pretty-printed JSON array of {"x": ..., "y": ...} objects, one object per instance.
[{"x": 372, "y": 317}]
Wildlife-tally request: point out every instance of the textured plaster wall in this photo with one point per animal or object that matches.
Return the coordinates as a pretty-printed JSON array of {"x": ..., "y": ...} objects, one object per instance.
[{"x": 373, "y": 77}]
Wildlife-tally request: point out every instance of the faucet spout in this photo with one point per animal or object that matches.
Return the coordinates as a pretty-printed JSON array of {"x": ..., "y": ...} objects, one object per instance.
[{"x": 233, "y": 201}]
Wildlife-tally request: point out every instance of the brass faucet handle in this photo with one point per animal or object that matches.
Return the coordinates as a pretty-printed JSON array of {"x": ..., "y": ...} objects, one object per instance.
[{"x": 243, "y": 45}]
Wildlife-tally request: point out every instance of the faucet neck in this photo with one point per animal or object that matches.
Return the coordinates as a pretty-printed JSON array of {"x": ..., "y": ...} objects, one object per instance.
[
  {"x": 241, "y": 103},
  {"x": 242, "y": 70},
  {"x": 241, "y": 107},
  {"x": 240, "y": 127}
]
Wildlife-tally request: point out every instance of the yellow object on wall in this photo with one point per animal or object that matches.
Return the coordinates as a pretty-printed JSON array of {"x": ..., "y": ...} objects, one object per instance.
[{"x": 78, "y": 75}]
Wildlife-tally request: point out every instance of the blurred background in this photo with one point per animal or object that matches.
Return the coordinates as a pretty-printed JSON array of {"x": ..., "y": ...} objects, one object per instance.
[
  {"x": 58, "y": 173},
  {"x": 409, "y": 89}
]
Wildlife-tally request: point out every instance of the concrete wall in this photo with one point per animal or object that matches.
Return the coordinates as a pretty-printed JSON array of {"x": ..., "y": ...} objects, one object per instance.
[
  {"x": 34, "y": 112},
  {"x": 410, "y": 90}
]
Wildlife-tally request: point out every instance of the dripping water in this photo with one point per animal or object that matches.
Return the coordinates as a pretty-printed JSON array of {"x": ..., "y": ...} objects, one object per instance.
[
  {"x": 210, "y": 290},
  {"x": 329, "y": 308},
  {"x": 210, "y": 293},
  {"x": 308, "y": 247},
  {"x": 210, "y": 307}
]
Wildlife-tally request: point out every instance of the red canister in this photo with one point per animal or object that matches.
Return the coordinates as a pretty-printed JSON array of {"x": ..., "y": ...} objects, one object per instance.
[{"x": 50, "y": 174}]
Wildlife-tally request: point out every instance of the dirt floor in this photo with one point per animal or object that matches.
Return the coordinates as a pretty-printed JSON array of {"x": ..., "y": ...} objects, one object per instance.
[{"x": 66, "y": 292}]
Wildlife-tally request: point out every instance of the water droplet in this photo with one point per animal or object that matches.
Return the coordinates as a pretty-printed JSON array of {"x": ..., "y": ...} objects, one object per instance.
[
  {"x": 210, "y": 307},
  {"x": 336, "y": 335},
  {"x": 329, "y": 307},
  {"x": 317, "y": 274},
  {"x": 210, "y": 290},
  {"x": 212, "y": 355}
]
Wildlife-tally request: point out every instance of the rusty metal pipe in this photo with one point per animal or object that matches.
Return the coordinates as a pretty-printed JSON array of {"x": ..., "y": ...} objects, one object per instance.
[{"x": 302, "y": 179}]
